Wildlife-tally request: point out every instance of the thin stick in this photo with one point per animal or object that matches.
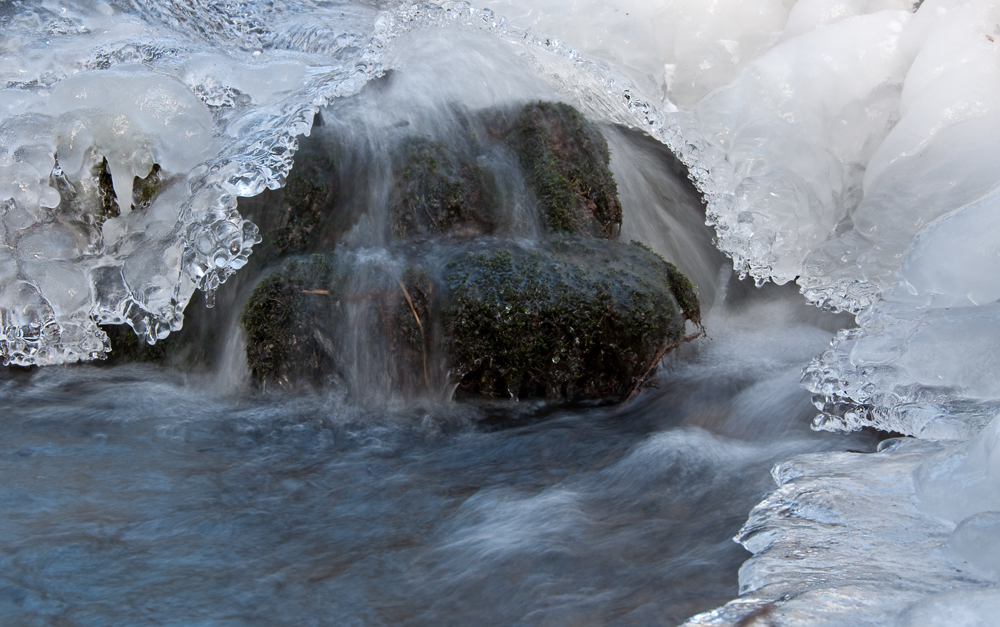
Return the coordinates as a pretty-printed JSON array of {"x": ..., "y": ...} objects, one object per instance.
[
  {"x": 634, "y": 389},
  {"x": 423, "y": 336}
]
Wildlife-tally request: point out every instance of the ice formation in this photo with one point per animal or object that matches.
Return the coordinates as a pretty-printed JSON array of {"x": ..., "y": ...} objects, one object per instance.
[
  {"x": 848, "y": 145},
  {"x": 133, "y": 85}
]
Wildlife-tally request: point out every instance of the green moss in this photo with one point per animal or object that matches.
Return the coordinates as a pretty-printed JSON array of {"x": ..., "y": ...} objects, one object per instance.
[
  {"x": 578, "y": 320},
  {"x": 309, "y": 195},
  {"x": 682, "y": 287},
  {"x": 565, "y": 159},
  {"x": 441, "y": 192},
  {"x": 266, "y": 321},
  {"x": 282, "y": 315},
  {"x": 685, "y": 293}
]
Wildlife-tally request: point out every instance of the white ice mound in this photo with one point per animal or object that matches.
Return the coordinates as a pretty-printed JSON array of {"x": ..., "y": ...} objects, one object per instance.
[
  {"x": 858, "y": 156},
  {"x": 963, "y": 480},
  {"x": 790, "y": 138},
  {"x": 133, "y": 118},
  {"x": 126, "y": 133},
  {"x": 825, "y": 156}
]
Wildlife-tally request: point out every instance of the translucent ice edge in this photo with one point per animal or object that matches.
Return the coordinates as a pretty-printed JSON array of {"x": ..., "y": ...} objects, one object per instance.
[{"x": 859, "y": 539}]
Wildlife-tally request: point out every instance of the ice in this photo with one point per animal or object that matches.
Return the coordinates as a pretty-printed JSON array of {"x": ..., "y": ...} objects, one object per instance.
[
  {"x": 936, "y": 270},
  {"x": 976, "y": 541},
  {"x": 795, "y": 131},
  {"x": 847, "y": 145},
  {"x": 119, "y": 88},
  {"x": 965, "y": 608},
  {"x": 133, "y": 119},
  {"x": 807, "y": 15},
  {"x": 964, "y": 481},
  {"x": 682, "y": 49},
  {"x": 844, "y": 540}
]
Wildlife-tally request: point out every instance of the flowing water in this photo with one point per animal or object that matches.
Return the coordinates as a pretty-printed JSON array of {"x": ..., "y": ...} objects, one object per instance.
[{"x": 142, "y": 496}]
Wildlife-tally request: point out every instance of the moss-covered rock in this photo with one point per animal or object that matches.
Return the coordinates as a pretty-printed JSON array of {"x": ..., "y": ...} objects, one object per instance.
[
  {"x": 441, "y": 192},
  {"x": 578, "y": 319},
  {"x": 565, "y": 158},
  {"x": 127, "y": 347},
  {"x": 682, "y": 287},
  {"x": 449, "y": 301},
  {"x": 309, "y": 195},
  {"x": 309, "y": 214},
  {"x": 287, "y": 320}
]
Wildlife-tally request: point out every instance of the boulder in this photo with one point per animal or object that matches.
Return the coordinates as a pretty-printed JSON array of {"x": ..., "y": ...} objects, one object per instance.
[
  {"x": 565, "y": 159},
  {"x": 574, "y": 318},
  {"x": 441, "y": 192}
]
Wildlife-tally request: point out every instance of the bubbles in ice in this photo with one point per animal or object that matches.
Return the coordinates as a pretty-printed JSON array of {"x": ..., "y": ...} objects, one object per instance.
[
  {"x": 134, "y": 119},
  {"x": 145, "y": 106}
]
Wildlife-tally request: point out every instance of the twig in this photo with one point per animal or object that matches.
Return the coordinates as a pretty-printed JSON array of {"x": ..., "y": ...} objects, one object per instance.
[
  {"x": 420, "y": 325},
  {"x": 637, "y": 385}
]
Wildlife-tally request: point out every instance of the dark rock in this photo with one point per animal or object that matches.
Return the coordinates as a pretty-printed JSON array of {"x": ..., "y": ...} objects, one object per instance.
[
  {"x": 439, "y": 193},
  {"x": 288, "y": 318},
  {"x": 143, "y": 191},
  {"x": 448, "y": 301},
  {"x": 576, "y": 318},
  {"x": 305, "y": 215},
  {"x": 108, "y": 200},
  {"x": 310, "y": 194},
  {"x": 191, "y": 348},
  {"x": 566, "y": 158}
]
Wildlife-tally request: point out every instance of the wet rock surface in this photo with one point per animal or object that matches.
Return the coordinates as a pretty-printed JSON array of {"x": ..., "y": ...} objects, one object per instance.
[
  {"x": 565, "y": 159},
  {"x": 452, "y": 301},
  {"x": 414, "y": 264},
  {"x": 574, "y": 318}
]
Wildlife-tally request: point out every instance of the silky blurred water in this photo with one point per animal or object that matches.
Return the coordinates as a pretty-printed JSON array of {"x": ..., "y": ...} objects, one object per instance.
[{"x": 139, "y": 496}]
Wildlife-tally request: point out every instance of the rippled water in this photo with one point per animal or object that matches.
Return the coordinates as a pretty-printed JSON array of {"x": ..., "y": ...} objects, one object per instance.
[{"x": 140, "y": 496}]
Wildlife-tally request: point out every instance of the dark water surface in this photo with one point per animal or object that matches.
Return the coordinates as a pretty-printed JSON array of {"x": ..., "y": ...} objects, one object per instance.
[{"x": 139, "y": 496}]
